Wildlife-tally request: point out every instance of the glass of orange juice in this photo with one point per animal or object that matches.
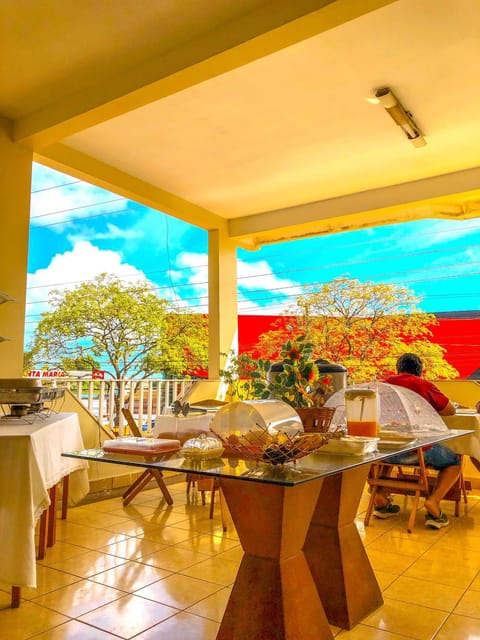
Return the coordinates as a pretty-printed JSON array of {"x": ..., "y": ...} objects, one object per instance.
[{"x": 361, "y": 409}]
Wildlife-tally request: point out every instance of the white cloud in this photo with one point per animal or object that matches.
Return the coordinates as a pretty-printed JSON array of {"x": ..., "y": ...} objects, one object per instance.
[
  {"x": 57, "y": 199},
  {"x": 272, "y": 294},
  {"x": 67, "y": 271},
  {"x": 113, "y": 232},
  {"x": 259, "y": 275}
]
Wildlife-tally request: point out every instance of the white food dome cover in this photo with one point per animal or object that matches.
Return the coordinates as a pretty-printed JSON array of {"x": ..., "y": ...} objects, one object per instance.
[
  {"x": 400, "y": 409},
  {"x": 242, "y": 416}
]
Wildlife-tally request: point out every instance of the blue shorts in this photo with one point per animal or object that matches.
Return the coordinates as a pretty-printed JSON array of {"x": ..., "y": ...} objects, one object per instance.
[{"x": 437, "y": 456}]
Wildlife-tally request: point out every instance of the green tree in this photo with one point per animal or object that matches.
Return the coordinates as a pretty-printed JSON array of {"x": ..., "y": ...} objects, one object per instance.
[
  {"x": 364, "y": 326},
  {"x": 124, "y": 329}
]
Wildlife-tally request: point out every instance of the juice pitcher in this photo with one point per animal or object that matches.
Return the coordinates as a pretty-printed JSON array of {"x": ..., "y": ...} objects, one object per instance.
[{"x": 361, "y": 410}]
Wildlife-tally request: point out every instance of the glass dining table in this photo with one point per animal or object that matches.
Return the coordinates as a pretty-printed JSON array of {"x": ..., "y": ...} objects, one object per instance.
[{"x": 304, "y": 566}]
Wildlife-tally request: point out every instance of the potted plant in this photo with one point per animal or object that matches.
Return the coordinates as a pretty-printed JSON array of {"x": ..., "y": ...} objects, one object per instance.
[{"x": 293, "y": 377}]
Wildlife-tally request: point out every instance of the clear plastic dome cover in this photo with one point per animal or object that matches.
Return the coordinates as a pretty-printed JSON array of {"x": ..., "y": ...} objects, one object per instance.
[
  {"x": 400, "y": 409},
  {"x": 239, "y": 417}
]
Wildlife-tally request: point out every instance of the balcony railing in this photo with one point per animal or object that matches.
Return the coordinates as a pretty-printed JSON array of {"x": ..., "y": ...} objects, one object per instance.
[{"x": 144, "y": 398}]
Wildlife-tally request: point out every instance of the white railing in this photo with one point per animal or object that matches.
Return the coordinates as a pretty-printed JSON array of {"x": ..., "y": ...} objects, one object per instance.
[{"x": 144, "y": 398}]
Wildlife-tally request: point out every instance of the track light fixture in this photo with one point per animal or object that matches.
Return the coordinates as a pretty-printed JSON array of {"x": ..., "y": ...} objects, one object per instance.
[{"x": 400, "y": 116}]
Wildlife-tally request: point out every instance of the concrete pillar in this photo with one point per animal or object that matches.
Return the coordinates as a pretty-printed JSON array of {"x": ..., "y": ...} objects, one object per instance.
[
  {"x": 15, "y": 187},
  {"x": 222, "y": 299}
]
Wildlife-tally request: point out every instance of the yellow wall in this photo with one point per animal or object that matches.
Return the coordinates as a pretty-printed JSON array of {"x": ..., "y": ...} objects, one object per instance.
[
  {"x": 465, "y": 392},
  {"x": 15, "y": 186}
]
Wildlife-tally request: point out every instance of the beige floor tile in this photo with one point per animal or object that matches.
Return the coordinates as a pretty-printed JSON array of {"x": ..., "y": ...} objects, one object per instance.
[
  {"x": 88, "y": 564},
  {"x": 222, "y": 572},
  {"x": 440, "y": 571},
  {"x": 76, "y": 599},
  {"x": 61, "y": 551},
  {"x": 179, "y": 591},
  {"x": 48, "y": 579},
  {"x": 401, "y": 544},
  {"x": 410, "y": 620},
  {"x": 424, "y": 593},
  {"x": 475, "y": 585},
  {"x": 175, "y": 559},
  {"x": 75, "y": 630},
  {"x": 389, "y": 562},
  {"x": 214, "y": 606},
  {"x": 385, "y": 579},
  {"x": 234, "y": 554},
  {"x": 469, "y": 605},
  {"x": 167, "y": 535},
  {"x": 100, "y": 520},
  {"x": 86, "y": 536},
  {"x": 128, "y": 528},
  {"x": 363, "y": 632},
  {"x": 27, "y": 620},
  {"x": 132, "y": 548},
  {"x": 183, "y": 626},
  {"x": 212, "y": 545},
  {"x": 459, "y": 628},
  {"x": 130, "y": 576},
  {"x": 128, "y": 616}
]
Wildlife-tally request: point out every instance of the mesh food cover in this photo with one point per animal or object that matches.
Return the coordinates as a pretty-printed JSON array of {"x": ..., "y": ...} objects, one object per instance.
[
  {"x": 400, "y": 409},
  {"x": 250, "y": 415}
]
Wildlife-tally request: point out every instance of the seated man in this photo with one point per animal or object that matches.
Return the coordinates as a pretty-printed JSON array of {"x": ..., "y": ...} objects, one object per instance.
[{"x": 445, "y": 461}]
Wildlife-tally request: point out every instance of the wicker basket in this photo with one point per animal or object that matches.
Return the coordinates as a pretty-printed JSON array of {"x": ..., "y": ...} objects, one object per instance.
[
  {"x": 260, "y": 445},
  {"x": 315, "y": 419}
]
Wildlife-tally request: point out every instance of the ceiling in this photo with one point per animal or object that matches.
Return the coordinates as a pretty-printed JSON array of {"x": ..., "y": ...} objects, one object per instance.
[{"x": 251, "y": 116}]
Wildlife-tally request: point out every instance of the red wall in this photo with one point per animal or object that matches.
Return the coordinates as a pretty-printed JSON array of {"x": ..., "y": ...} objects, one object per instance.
[{"x": 460, "y": 336}]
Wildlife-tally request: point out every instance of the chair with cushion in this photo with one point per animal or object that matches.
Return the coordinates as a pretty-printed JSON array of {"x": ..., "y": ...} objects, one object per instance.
[
  {"x": 150, "y": 448},
  {"x": 410, "y": 480}
]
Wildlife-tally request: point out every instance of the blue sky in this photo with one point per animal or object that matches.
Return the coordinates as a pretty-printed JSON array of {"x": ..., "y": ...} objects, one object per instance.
[{"x": 78, "y": 231}]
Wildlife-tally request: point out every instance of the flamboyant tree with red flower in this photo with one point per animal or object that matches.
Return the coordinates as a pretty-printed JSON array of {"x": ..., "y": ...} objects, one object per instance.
[{"x": 363, "y": 325}]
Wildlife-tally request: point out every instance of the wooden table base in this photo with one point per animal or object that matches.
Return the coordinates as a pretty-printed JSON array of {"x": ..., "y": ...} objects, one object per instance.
[
  {"x": 274, "y": 595},
  {"x": 335, "y": 553}
]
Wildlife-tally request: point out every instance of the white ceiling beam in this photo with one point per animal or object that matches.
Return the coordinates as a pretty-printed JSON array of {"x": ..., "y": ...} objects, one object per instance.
[{"x": 450, "y": 195}]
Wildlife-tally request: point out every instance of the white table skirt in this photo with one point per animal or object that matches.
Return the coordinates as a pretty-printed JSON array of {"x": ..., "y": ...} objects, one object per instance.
[
  {"x": 468, "y": 445},
  {"x": 31, "y": 463}
]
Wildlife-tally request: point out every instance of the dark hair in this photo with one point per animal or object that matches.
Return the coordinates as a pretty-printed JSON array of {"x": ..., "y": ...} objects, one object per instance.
[{"x": 410, "y": 363}]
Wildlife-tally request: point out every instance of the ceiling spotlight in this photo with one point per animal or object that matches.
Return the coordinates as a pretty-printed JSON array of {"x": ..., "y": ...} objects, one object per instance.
[
  {"x": 400, "y": 116},
  {"x": 4, "y": 297}
]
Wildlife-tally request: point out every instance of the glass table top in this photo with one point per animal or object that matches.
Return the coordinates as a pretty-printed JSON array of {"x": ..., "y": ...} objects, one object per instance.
[{"x": 312, "y": 467}]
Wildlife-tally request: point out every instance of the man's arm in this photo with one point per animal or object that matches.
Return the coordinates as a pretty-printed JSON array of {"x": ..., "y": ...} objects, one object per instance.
[{"x": 448, "y": 410}]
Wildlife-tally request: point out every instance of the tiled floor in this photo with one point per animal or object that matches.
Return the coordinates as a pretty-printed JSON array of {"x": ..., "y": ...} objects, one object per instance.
[{"x": 150, "y": 572}]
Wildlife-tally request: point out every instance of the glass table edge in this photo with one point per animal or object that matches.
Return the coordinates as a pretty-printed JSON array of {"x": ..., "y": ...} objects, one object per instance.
[{"x": 312, "y": 467}]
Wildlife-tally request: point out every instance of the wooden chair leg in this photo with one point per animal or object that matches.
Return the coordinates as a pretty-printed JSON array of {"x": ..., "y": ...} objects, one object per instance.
[
  {"x": 413, "y": 512},
  {"x": 223, "y": 508},
  {"x": 42, "y": 534},
  {"x": 65, "y": 487},
  {"x": 52, "y": 517},
  {"x": 135, "y": 488},
  {"x": 163, "y": 487},
  {"x": 15, "y": 601}
]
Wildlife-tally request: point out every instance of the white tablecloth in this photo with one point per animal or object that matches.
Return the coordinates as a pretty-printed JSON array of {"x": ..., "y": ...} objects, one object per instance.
[
  {"x": 468, "y": 445},
  {"x": 31, "y": 463}
]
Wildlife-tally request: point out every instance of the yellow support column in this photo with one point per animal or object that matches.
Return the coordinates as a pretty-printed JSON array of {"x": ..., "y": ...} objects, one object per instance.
[
  {"x": 15, "y": 187},
  {"x": 222, "y": 299}
]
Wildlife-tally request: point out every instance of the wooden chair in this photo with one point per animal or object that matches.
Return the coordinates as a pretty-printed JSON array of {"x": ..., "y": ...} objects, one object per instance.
[
  {"x": 206, "y": 483},
  {"x": 148, "y": 475},
  {"x": 410, "y": 480}
]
